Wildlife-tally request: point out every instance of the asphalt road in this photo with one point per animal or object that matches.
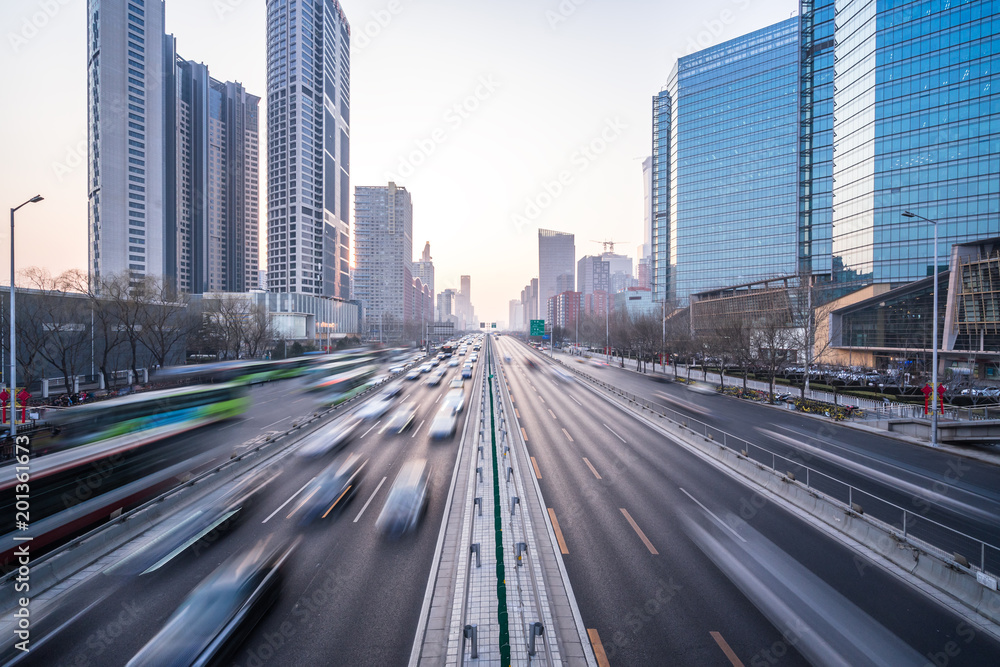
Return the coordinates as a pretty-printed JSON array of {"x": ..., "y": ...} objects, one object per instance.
[
  {"x": 889, "y": 475},
  {"x": 350, "y": 596},
  {"x": 674, "y": 562}
]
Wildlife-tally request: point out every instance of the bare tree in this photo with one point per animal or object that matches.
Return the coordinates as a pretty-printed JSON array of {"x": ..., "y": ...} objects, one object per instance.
[
  {"x": 164, "y": 321},
  {"x": 60, "y": 320}
]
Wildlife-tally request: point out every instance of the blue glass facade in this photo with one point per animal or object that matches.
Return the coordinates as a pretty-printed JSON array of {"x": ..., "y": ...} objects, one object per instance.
[
  {"x": 913, "y": 123},
  {"x": 734, "y": 169},
  {"x": 918, "y": 128}
]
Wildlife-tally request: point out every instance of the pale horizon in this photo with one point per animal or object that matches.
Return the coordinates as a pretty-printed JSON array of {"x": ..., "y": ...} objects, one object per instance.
[{"x": 498, "y": 119}]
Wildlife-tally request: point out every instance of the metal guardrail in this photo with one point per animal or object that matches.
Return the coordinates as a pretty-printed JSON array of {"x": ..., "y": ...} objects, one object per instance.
[{"x": 910, "y": 526}]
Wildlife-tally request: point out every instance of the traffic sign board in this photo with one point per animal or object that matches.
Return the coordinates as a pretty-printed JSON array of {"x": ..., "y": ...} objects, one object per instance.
[{"x": 537, "y": 327}]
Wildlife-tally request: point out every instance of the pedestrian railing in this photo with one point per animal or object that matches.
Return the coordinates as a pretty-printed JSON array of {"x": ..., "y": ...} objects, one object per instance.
[{"x": 908, "y": 525}]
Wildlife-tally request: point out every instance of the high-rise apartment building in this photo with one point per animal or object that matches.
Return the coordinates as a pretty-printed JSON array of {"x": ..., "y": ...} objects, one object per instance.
[
  {"x": 211, "y": 210},
  {"x": 126, "y": 134},
  {"x": 173, "y": 159},
  {"x": 308, "y": 132},
  {"x": 383, "y": 252},
  {"x": 556, "y": 265}
]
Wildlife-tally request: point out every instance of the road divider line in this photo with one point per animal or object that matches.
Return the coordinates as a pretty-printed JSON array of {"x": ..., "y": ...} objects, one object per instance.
[
  {"x": 370, "y": 429},
  {"x": 638, "y": 531},
  {"x": 539, "y": 396},
  {"x": 524, "y": 435},
  {"x": 595, "y": 643},
  {"x": 534, "y": 464},
  {"x": 591, "y": 466},
  {"x": 581, "y": 405},
  {"x": 417, "y": 430},
  {"x": 724, "y": 645},
  {"x": 290, "y": 498},
  {"x": 711, "y": 514},
  {"x": 568, "y": 436},
  {"x": 370, "y": 499},
  {"x": 558, "y": 530},
  {"x": 516, "y": 413},
  {"x": 277, "y": 422},
  {"x": 614, "y": 434},
  {"x": 553, "y": 414}
]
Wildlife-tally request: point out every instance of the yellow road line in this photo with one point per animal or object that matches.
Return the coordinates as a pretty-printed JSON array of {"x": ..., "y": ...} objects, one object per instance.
[
  {"x": 568, "y": 436},
  {"x": 559, "y": 535},
  {"x": 638, "y": 531},
  {"x": 724, "y": 645},
  {"x": 592, "y": 469},
  {"x": 524, "y": 435},
  {"x": 553, "y": 414},
  {"x": 516, "y": 413},
  {"x": 534, "y": 464},
  {"x": 337, "y": 500},
  {"x": 595, "y": 642}
]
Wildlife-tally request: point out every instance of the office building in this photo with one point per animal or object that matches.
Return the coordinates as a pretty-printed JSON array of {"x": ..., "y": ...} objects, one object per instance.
[
  {"x": 515, "y": 316},
  {"x": 906, "y": 90},
  {"x": 556, "y": 264},
  {"x": 592, "y": 274},
  {"x": 308, "y": 131},
  {"x": 731, "y": 134},
  {"x": 463, "y": 304},
  {"x": 383, "y": 254},
  {"x": 647, "y": 209},
  {"x": 126, "y": 136}
]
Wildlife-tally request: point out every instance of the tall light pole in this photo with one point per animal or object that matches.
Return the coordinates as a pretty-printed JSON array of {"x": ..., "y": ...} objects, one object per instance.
[
  {"x": 13, "y": 341},
  {"x": 934, "y": 351}
]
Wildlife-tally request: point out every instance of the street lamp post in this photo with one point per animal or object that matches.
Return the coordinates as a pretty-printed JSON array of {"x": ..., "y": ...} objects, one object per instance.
[
  {"x": 13, "y": 342},
  {"x": 934, "y": 343}
]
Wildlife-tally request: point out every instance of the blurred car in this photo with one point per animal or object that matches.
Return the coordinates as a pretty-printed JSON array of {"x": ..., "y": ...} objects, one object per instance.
[
  {"x": 532, "y": 364},
  {"x": 444, "y": 423},
  {"x": 700, "y": 388},
  {"x": 332, "y": 489},
  {"x": 466, "y": 372},
  {"x": 506, "y": 358},
  {"x": 436, "y": 377},
  {"x": 454, "y": 399},
  {"x": 401, "y": 418},
  {"x": 378, "y": 405},
  {"x": 216, "y": 512},
  {"x": 396, "y": 369},
  {"x": 407, "y": 500},
  {"x": 454, "y": 363},
  {"x": 330, "y": 438},
  {"x": 413, "y": 375},
  {"x": 426, "y": 368},
  {"x": 456, "y": 383},
  {"x": 562, "y": 374},
  {"x": 221, "y": 611},
  {"x": 474, "y": 357}
]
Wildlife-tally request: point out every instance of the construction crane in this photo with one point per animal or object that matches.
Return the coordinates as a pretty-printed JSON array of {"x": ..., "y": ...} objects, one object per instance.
[{"x": 609, "y": 246}]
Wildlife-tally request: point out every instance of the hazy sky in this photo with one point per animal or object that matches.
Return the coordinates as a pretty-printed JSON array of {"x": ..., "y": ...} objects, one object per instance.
[{"x": 478, "y": 108}]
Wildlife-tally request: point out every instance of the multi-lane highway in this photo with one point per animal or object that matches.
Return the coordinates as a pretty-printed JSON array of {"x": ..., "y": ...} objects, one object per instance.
[
  {"x": 674, "y": 562},
  {"x": 350, "y": 596}
]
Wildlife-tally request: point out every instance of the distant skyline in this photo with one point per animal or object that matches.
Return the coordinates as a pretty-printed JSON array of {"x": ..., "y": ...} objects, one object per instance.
[{"x": 517, "y": 117}]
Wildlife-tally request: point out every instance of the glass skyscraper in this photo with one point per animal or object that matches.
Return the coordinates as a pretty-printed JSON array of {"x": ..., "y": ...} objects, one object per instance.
[
  {"x": 556, "y": 265},
  {"x": 732, "y": 178},
  {"x": 894, "y": 109},
  {"x": 917, "y": 126}
]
